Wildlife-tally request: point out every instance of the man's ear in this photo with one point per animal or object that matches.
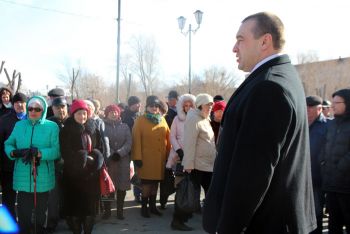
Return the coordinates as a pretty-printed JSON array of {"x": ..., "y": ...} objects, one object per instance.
[{"x": 266, "y": 41}]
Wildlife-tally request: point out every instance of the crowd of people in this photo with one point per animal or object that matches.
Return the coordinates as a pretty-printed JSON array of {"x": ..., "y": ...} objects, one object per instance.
[{"x": 264, "y": 170}]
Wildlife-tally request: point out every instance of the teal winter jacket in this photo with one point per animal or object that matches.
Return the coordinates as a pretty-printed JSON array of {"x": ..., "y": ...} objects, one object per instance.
[{"x": 42, "y": 134}]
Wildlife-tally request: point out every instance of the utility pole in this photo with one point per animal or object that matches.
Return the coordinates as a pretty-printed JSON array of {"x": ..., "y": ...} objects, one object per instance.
[{"x": 118, "y": 53}]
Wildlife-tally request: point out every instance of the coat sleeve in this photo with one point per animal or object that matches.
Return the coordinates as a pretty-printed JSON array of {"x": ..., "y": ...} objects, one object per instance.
[
  {"x": 136, "y": 150},
  {"x": 191, "y": 132},
  {"x": 52, "y": 152},
  {"x": 10, "y": 143},
  {"x": 174, "y": 134},
  {"x": 257, "y": 151},
  {"x": 126, "y": 147}
]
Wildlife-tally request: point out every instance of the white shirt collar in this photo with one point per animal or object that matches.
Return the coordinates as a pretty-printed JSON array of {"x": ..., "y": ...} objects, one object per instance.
[{"x": 264, "y": 61}]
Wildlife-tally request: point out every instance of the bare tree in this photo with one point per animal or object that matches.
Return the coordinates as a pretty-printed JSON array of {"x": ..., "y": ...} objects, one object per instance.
[
  {"x": 307, "y": 57},
  {"x": 15, "y": 81},
  {"x": 145, "y": 61},
  {"x": 70, "y": 78}
]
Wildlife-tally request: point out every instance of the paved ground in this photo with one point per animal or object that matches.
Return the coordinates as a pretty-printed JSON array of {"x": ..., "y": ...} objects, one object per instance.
[{"x": 135, "y": 223}]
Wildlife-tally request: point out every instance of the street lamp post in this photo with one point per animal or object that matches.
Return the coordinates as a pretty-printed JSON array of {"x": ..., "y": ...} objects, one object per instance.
[{"x": 181, "y": 21}]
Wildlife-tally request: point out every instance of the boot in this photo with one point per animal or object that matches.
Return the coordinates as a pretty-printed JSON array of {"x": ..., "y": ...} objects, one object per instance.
[
  {"x": 88, "y": 224},
  {"x": 120, "y": 204},
  {"x": 144, "y": 208},
  {"x": 107, "y": 210},
  {"x": 152, "y": 205},
  {"x": 75, "y": 223},
  {"x": 176, "y": 224}
]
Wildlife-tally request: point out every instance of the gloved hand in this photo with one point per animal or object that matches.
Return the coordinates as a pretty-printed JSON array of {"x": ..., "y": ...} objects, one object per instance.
[
  {"x": 138, "y": 163},
  {"x": 180, "y": 153},
  {"x": 115, "y": 156},
  {"x": 20, "y": 153},
  {"x": 29, "y": 154},
  {"x": 89, "y": 160}
]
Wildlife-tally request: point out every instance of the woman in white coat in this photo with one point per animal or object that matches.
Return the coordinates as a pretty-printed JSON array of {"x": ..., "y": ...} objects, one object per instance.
[{"x": 184, "y": 104}]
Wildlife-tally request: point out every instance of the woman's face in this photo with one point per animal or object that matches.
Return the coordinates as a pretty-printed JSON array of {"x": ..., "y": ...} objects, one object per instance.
[
  {"x": 206, "y": 109},
  {"x": 187, "y": 106},
  {"x": 153, "y": 109},
  {"x": 5, "y": 97},
  {"x": 35, "y": 112},
  {"x": 81, "y": 116},
  {"x": 113, "y": 115},
  {"x": 338, "y": 105},
  {"x": 218, "y": 115}
]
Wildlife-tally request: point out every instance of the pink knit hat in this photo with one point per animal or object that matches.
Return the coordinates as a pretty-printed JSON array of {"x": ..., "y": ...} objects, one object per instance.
[
  {"x": 78, "y": 105},
  {"x": 110, "y": 108}
]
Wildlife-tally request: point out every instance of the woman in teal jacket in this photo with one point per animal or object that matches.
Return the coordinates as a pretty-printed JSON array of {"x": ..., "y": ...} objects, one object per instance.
[{"x": 34, "y": 145}]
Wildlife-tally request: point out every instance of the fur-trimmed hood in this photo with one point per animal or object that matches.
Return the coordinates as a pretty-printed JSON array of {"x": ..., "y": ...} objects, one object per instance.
[{"x": 185, "y": 97}]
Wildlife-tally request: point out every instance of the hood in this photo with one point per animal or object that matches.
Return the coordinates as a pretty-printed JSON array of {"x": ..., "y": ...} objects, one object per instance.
[
  {"x": 184, "y": 98},
  {"x": 43, "y": 116}
]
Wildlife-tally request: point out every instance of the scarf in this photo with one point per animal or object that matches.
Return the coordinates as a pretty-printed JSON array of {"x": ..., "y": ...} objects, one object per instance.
[
  {"x": 21, "y": 115},
  {"x": 154, "y": 118}
]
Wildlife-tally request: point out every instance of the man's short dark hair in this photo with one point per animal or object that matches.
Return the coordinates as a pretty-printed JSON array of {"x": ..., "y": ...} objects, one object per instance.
[{"x": 268, "y": 23}]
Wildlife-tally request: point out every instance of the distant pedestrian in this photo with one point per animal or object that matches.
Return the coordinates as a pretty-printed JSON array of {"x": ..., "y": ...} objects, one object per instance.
[
  {"x": 335, "y": 164},
  {"x": 83, "y": 160},
  {"x": 7, "y": 123},
  {"x": 34, "y": 146},
  {"x": 150, "y": 148},
  {"x": 317, "y": 131},
  {"x": 118, "y": 162},
  {"x": 52, "y": 94},
  {"x": 173, "y": 96},
  {"x": 218, "y": 111},
  {"x": 327, "y": 109},
  {"x": 5, "y": 101}
]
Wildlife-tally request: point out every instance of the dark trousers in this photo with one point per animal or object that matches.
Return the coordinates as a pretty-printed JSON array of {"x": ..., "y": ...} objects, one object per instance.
[
  {"x": 137, "y": 192},
  {"x": 55, "y": 204},
  {"x": 8, "y": 194},
  {"x": 202, "y": 178},
  {"x": 26, "y": 212},
  {"x": 319, "y": 198},
  {"x": 338, "y": 205}
]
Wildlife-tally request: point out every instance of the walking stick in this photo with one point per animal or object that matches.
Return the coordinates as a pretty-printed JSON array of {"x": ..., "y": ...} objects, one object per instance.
[{"x": 34, "y": 183}]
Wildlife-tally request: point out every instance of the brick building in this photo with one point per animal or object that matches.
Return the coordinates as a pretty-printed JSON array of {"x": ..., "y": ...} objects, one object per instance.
[{"x": 323, "y": 78}]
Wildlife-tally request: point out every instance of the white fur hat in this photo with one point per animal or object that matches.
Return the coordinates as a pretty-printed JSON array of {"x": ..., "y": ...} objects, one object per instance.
[{"x": 203, "y": 98}]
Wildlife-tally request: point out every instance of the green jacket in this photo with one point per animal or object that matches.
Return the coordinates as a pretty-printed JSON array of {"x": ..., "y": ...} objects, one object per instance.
[{"x": 44, "y": 135}]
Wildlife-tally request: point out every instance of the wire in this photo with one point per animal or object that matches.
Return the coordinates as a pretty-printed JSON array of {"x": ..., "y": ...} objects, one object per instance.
[{"x": 53, "y": 10}]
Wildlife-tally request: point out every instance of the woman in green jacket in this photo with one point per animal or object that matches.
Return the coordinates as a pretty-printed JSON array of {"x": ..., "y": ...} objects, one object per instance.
[{"x": 34, "y": 145}]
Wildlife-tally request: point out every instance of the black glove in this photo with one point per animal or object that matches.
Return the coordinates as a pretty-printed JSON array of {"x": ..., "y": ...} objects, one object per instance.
[
  {"x": 180, "y": 153},
  {"x": 19, "y": 153},
  {"x": 115, "y": 156},
  {"x": 89, "y": 160},
  {"x": 138, "y": 163},
  {"x": 29, "y": 154}
]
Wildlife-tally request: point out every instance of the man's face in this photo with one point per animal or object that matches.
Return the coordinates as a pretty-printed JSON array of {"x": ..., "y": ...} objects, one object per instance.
[
  {"x": 172, "y": 102},
  {"x": 338, "y": 105},
  {"x": 247, "y": 48},
  {"x": 60, "y": 111},
  {"x": 313, "y": 112},
  {"x": 136, "y": 107},
  {"x": 19, "y": 107}
]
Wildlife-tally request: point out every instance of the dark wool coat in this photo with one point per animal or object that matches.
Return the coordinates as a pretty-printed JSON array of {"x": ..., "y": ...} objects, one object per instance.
[
  {"x": 262, "y": 176},
  {"x": 81, "y": 189},
  {"x": 335, "y": 165},
  {"x": 7, "y": 123}
]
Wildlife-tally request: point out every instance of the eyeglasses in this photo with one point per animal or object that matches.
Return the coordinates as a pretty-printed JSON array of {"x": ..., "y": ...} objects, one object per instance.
[
  {"x": 36, "y": 109},
  {"x": 337, "y": 102}
]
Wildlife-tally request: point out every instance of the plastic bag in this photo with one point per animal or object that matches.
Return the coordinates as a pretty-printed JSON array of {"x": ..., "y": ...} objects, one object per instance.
[
  {"x": 187, "y": 196},
  {"x": 106, "y": 183}
]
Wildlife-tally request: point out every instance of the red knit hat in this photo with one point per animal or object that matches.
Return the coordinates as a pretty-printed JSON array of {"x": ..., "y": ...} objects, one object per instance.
[
  {"x": 110, "y": 108},
  {"x": 220, "y": 105},
  {"x": 78, "y": 105}
]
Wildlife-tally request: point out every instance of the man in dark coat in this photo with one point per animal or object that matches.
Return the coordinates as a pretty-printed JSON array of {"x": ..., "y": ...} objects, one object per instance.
[
  {"x": 173, "y": 96},
  {"x": 335, "y": 164},
  {"x": 262, "y": 176},
  {"x": 7, "y": 123},
  {"x": 53, "y": 93},
  {"x": 129, "y": 116},
  {"x": 54, "y": 211},
  {"x": 317, "y": 131}
]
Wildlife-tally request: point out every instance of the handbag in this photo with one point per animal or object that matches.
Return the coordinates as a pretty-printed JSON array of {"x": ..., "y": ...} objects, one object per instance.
[
  {"x": 106, "y": 183},
  {"x": 187, "y": 197},
  {"x": 136, "y": 181}
]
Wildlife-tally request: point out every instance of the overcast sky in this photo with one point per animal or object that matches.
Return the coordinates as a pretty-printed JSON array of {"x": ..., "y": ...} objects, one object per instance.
[{"x": 38, "y": 37}]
